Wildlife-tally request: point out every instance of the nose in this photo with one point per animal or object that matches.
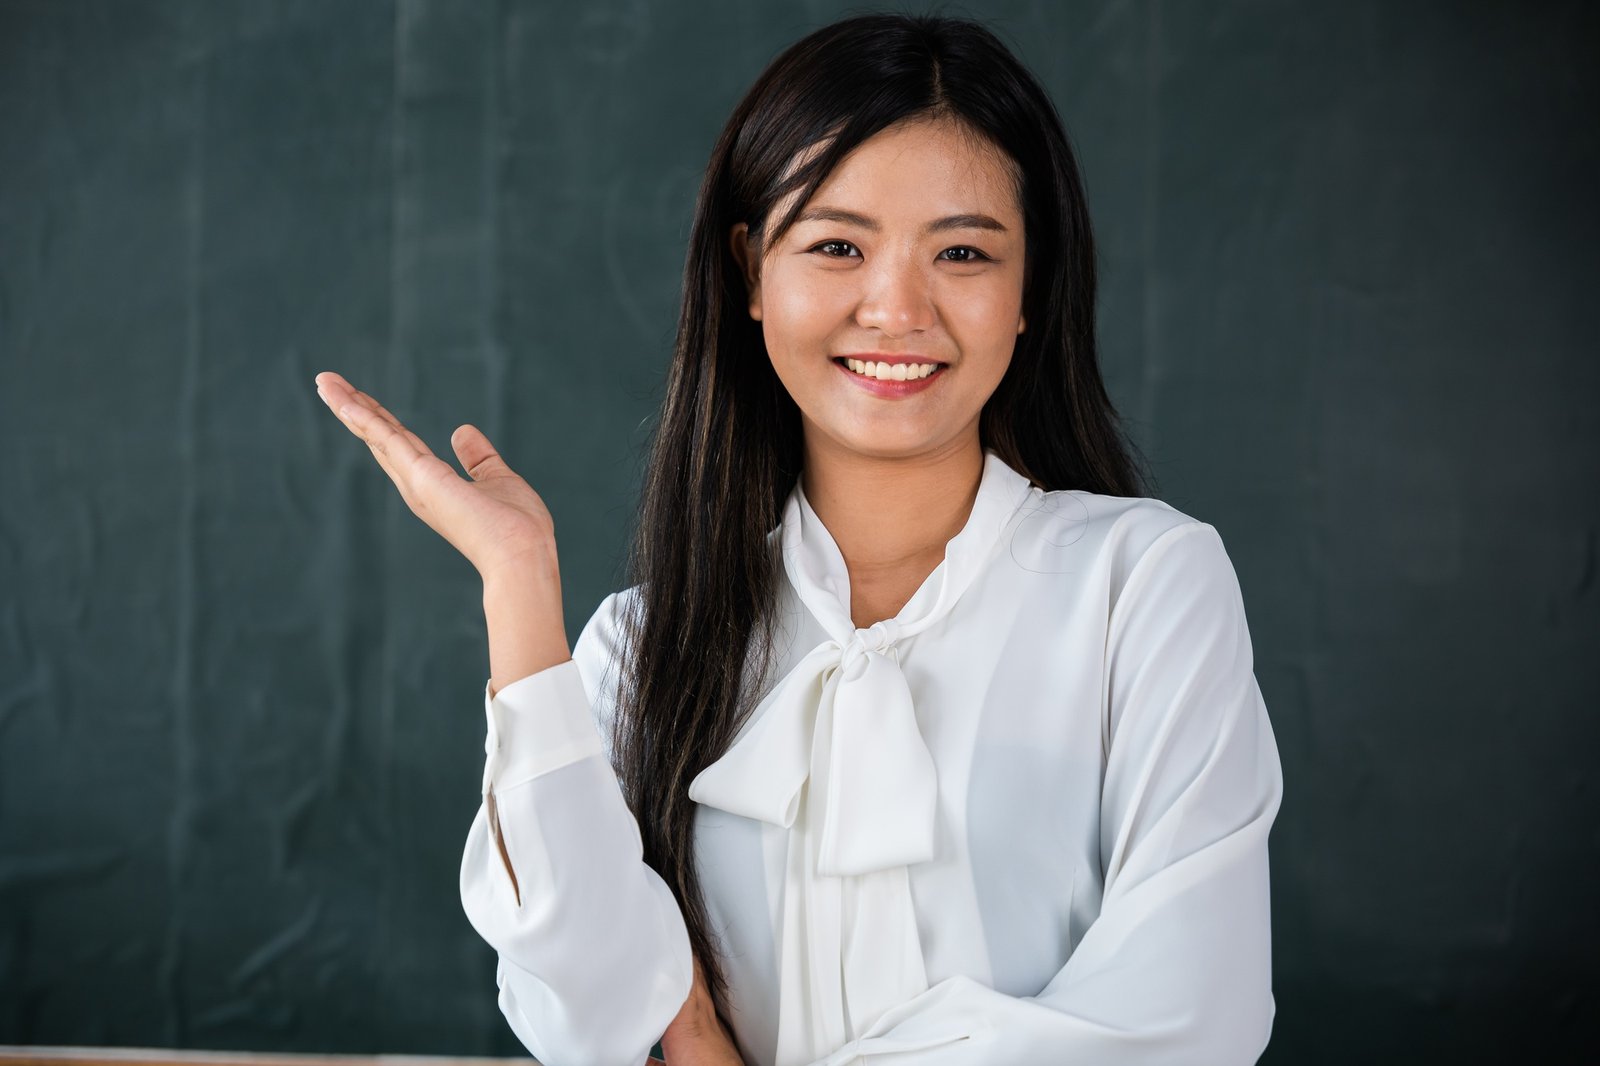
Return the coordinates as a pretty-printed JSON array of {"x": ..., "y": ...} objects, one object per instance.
[{"x": 897, "y": 299}]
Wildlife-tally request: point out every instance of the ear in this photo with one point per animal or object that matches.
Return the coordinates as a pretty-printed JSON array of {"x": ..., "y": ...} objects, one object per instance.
[
  {"x": 749, "y": 267},
  {"x": 1022, "y": 322}
]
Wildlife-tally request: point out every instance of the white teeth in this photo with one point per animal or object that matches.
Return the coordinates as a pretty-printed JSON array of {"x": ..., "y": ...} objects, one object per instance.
[{"x": 892, "y": 371}]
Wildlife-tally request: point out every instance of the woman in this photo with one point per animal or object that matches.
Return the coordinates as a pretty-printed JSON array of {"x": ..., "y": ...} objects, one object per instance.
[{"x": 920, "y": 733}]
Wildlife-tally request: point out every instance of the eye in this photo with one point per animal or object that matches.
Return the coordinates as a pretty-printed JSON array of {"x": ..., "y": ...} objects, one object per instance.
[
  {"x": 972, "y": 254},
  {"x": 828, "y": 244}
]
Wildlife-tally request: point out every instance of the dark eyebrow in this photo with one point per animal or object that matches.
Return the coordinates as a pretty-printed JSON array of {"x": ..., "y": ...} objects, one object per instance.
[{"x": 938, "y": 225}]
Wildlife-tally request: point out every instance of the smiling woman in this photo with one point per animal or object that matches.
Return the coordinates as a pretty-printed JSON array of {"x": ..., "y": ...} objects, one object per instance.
[
  {"x": 867, "y": 276},
  {"x": 921, "y": 733}
]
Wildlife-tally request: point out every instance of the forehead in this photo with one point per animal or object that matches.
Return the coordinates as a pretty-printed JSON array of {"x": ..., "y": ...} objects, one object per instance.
[{"x": 915, "y": 169}]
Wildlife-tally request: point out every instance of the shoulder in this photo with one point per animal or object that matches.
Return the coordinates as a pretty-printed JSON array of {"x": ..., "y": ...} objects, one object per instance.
[
  {"x": 1164, "y": 573},
  {"x": 1113, "y": 538}
]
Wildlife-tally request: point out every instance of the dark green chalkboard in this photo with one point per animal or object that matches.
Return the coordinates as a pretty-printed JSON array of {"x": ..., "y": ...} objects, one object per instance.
[{"x": 1349, "y": 256}]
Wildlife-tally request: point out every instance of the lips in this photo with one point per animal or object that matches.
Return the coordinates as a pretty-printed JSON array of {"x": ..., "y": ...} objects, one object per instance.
[{"x": 890, "y": 387}]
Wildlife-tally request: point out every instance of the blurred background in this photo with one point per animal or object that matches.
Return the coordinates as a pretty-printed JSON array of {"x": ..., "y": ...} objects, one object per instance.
[{"x": 1348, "y": 259}]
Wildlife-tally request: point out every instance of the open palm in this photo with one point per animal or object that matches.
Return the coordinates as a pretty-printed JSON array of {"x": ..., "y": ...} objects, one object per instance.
[{"x": 492, "y": 516}]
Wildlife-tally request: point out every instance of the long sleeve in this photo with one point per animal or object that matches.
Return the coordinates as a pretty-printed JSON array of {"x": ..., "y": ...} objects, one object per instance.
[
  {"x": 1177, "y": 966},
  {"x": 594, "y": 957}
]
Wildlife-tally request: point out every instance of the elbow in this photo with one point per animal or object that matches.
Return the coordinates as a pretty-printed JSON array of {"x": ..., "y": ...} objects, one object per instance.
[
  {"x": 492, "y": 899},
  {"x": 581, "y": 984},
  {"x": 593, "y": 1022},
  {"x": 595, "y": 960},
  {"x": 1234, "y": 1033}
]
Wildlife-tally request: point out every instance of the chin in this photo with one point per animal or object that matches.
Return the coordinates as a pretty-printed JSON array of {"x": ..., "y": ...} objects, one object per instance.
[{"x": 880, "y": 443}]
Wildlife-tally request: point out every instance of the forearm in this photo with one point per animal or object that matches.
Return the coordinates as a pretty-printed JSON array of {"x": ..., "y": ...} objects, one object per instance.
[{"x": 526, "y": 624}]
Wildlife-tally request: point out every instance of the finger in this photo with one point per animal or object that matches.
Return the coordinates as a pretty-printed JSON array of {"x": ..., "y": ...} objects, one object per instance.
[
  {"x": 381, "y": 437},
  {"x": 337, "y": 391},
  {"x": 406, "y": 468},
  {"x": 700, "y": 978},
  {"x": 383, "y": 412},
  {"x": 402, "y": 482},
  {"x": 409, "y": 480},
  {"x": 379, "y": 453},
  {"x": 334, "y": 390},
  {"x": 337, "y": 394},
  {"x": 478, "y": 457}
]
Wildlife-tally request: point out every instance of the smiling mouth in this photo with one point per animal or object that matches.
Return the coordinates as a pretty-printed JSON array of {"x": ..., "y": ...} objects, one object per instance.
[{"x": 885, "y": 371}]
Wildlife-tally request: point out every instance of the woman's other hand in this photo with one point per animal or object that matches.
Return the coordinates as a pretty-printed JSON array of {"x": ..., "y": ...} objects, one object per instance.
[{"x": 696, "y": 1036}]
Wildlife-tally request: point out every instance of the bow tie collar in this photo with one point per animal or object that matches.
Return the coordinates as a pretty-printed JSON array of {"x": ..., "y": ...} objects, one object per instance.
[
  {"x": 833, "y": 753},
  {"x": 841, "y": 719}
]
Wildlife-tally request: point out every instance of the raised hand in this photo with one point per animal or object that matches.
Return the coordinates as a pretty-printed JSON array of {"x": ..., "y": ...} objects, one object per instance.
[{"x": 493, "y": 517}]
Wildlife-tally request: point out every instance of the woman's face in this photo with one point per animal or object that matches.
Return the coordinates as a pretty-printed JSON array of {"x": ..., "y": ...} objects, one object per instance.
[{"x": 911, "y": 250}]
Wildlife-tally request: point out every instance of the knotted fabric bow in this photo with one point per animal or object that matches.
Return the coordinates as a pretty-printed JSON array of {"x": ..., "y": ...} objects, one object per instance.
[{"x": 834, "y": 753}]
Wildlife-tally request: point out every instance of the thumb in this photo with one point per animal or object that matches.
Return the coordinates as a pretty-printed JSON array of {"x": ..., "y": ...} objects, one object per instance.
[{"x": 478, "y": 457}]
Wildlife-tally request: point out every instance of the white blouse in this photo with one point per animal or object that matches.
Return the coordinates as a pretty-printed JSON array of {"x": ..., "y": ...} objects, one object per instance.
[{"x": 1023, "y": 821}]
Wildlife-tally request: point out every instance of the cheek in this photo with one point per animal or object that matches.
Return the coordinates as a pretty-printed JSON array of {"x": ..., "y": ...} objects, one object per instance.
[
  {"x": 984, "y": 321},
  {"x": 799, "y": 313}
]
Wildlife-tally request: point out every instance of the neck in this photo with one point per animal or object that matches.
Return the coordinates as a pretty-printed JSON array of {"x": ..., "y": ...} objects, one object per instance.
[{"x": 891, "y": 515}]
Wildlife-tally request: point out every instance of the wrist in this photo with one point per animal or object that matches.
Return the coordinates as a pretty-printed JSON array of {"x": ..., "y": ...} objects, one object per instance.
[
  {"x": 527, "y": 630},
  {"x": 518, "y": 575}
]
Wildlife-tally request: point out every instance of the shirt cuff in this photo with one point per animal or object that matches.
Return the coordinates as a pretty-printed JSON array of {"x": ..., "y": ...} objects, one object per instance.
[{"x": 536, "y": 724}]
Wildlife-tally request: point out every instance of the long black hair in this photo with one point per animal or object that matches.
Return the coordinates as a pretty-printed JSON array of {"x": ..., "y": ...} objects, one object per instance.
[{"x": 727, "y": 448}]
